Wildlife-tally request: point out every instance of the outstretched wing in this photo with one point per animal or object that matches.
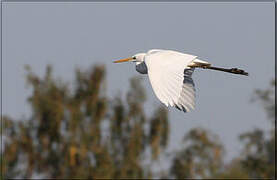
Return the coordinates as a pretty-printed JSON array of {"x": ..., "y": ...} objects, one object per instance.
[{"x": 171, "y": 78}]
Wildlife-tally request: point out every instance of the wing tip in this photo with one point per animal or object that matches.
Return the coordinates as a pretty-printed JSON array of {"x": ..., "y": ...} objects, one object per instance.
[{"x": 184, "y": 109}]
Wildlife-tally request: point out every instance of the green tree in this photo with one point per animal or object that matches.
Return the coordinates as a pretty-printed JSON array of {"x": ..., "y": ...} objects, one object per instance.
[
  {"x": 81, "y": 133},
  {"x": 200, "y": 158},
  {"x": 258, "y": 157},
  {"x": 78, "y": 132},
  {"x": 232, "y": 170}
]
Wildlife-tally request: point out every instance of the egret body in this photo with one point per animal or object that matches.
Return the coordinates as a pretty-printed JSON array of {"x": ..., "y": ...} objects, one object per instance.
[{"x": 170, "y": 75}]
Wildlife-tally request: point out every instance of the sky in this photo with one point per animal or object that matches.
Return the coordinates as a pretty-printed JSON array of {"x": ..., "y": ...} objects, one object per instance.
[{"x": 70, "y": 35}]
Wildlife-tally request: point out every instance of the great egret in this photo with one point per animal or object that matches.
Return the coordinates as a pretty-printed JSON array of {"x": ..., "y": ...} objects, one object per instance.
[{"x": 170, "y": 75}]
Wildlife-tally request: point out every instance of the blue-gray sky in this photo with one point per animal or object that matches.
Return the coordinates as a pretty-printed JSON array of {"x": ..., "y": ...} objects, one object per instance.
[{"x": 70, "y": 35}]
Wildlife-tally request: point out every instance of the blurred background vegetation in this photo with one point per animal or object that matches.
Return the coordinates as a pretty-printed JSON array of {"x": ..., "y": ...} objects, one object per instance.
[{"x": 81, "y": 133}]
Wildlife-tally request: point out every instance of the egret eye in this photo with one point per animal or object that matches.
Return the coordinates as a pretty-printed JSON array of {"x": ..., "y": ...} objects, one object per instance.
[{"x": 134, "y": 57}]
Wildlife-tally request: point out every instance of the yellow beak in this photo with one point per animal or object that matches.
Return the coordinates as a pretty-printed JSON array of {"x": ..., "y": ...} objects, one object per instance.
[{"x": 123, "y": 60}]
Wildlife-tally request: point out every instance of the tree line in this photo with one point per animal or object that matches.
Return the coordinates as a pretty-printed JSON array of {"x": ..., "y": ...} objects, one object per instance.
[{"x": 80, "y": 132}]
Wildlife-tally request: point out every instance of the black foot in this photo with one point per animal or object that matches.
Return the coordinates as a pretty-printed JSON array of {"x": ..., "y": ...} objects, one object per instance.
[{"x": 238, "y": 71}]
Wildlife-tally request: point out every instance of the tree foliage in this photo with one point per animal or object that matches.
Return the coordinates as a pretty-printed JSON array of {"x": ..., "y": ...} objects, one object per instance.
[
  {"x": 258, "y": 157},
  {"x": 79, "y": 132},
  {"x": 201, "y": 156}
]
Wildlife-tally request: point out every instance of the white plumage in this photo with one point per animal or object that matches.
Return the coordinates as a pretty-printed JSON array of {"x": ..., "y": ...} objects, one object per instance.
[
  {"x": 170, "y": 75},
  {"x": 171, "y": 78}
]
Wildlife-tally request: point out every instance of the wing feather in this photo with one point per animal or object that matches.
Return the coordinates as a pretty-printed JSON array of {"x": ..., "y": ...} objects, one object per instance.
[
  {"x": 188, "y": 91},
  {"x": 171, "y": 78},
  {"x": 158, "y": 89},
  {"x": 172, "y": 85}
]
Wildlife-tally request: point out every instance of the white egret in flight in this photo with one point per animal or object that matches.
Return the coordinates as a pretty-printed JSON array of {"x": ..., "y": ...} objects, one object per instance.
[{"x": 170, "y": 75}]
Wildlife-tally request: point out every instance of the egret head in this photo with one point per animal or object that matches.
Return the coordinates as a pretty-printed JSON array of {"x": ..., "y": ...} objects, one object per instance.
[{"x": 137, "y": 58}]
